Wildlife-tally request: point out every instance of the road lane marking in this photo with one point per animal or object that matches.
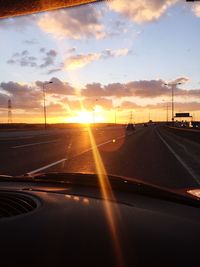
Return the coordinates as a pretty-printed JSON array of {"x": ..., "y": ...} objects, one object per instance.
[
  {"x": 183, "y": 163},
  {"x": 47, "y": 166},
  {"x": 77, "y": 155},
  {"x": 34, "y": 144}
]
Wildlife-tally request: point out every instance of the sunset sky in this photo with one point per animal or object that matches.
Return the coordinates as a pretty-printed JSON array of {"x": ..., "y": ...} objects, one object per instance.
[{"x": 103, "y": 59}]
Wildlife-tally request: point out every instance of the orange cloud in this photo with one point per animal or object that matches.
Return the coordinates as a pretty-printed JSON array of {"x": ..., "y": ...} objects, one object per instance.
[
  {"x": 80, "y": 61},
  {"x": 141, "y": 10}
]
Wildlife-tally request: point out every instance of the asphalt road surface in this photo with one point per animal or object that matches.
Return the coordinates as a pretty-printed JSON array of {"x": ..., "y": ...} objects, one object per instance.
[{"x": 151, "y": 154}]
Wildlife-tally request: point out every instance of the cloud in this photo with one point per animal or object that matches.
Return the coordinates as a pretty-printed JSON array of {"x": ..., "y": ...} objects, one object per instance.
[
  {"x": 71, "y": 50},
  {"x": 74, "y": 23},
  {"x": 196, "y": 9},
  {"x": 24, "y": 59},
  {"x": 90, "y": 103},
  {"x": 141, "y": 89},
  {"x": 3, "y": 100},
  {"x": 181, "y": 80},
  {"x": 141, "y": 10},
  {"x": 30, "y": 42},
  {"x": 148, "y": 88},
  {"x": 58, "y": 87},
  {"x": 53, "y": 71},
  {"x": 22, "y": 96},
  {"x": 18, "y": 23},
  {"x": 115, "y": 53},
  {"x": 56, "y": 109},
  {"x": 29, "y": 98},
  {"x": 80, "y": 61},
  {"x": 49, "y": 58},
  {"x": 129, "y": 105},
  {"x": 179, "y": 106}
]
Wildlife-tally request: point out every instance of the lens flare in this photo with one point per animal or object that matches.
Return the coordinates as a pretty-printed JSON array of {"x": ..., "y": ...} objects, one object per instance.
[{"x": 112, "y": 214}]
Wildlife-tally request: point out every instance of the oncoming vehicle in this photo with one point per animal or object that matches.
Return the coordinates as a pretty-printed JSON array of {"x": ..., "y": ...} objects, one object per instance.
[{"x": 78, "y": 185}]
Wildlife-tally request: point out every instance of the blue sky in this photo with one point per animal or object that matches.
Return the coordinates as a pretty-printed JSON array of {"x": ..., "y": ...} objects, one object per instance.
[{"x": 121, "y": 43}]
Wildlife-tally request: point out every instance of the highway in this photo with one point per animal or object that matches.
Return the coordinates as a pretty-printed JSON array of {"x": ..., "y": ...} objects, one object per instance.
[{"x": 151, "y": 154}]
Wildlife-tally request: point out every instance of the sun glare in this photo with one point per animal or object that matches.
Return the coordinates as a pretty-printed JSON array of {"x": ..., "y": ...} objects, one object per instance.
[{"x": 87, "y": 117}]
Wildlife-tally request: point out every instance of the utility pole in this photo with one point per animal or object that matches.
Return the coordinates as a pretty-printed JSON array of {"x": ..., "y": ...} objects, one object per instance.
[
  {"x": 9, "y": 111},
  {"x": 173, "y": 87},
  {"x": 94, "y": 119}
]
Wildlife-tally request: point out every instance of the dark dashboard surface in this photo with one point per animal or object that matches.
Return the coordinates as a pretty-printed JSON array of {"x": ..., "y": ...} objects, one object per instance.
[{"x": 69, "y": 227}]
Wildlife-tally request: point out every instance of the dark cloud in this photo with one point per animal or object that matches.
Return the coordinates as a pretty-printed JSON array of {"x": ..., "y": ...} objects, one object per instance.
[
  {"x": 98, "y": 90},
  {"x": 42, "y": 50},
  {"x": 22, "y": 96},
  {"x": 11, "y": 61},
  {"x": 3, "y": 100},
  {"x": 30, "y": 42},
  {"x": 51, "y": 53},
  {"x": 53, "y": 71},
  {"x": 58, "y": 87},
  {"x": 49, "y": 59},
  {"x": 25, "y": 59},
  {"x": 71, "y": 50}
]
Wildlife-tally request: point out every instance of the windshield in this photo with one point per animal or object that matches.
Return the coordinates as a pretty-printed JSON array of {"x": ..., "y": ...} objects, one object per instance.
[{"x": 107, "y": 88}]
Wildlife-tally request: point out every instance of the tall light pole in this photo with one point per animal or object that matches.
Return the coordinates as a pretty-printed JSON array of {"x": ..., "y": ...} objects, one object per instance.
[
  {"x": 44, "y": 100},
  {"x": 94, "y": 119},
  {"x": 173, "y": 86},
  {"x": 167, "y": 106}
]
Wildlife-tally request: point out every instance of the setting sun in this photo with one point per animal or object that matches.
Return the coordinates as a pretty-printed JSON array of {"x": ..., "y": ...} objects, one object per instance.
[{"x": 87, "y": 117}]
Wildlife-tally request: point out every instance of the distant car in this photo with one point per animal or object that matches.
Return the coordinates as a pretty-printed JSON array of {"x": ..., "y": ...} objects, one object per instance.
[
  {"x": 145, "y": 125},
  {"x": 130, "y": 127}
]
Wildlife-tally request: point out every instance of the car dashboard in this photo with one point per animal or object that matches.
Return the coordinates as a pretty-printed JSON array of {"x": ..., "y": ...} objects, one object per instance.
[{"x": 68, "y": 225}]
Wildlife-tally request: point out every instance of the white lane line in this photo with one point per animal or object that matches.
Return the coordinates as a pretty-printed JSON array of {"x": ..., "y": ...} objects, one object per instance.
[
  {"x": 46, "y": 166},
  {"x": 77, "y": 155},
  {"x": 99, "y": 145},
  {"x": 35, "y": 144},
  {"x": 183, "y": 163}
]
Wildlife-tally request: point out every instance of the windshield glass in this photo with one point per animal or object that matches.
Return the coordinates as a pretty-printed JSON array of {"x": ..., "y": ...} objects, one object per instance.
[{"x": 108, "y": 88}]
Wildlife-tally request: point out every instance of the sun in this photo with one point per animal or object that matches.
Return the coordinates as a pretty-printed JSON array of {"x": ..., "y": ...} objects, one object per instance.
[
  {"x": 86, "y": 117},
  {"x": 83, "y": 116}
]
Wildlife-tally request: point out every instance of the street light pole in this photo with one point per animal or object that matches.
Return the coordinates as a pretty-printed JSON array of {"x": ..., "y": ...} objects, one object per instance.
[
  {"x": 173, "y": 86},
  {"x": 167, "y": 112},
  {"x": 116, "y": 109},
  {"x": 44, "y": 101}
]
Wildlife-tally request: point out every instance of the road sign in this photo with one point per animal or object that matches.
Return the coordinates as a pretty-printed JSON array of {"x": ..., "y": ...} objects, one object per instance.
[{"x": 183, "y": 115}]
